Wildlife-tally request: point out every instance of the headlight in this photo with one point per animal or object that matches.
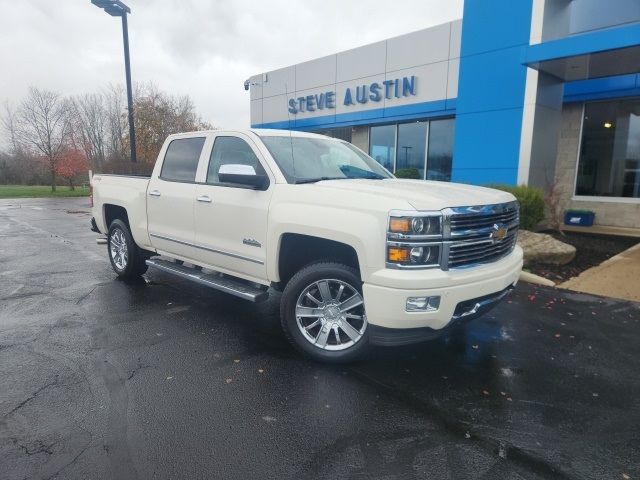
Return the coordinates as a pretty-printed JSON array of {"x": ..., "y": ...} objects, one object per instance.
[
  {"x": 414, "y": 239},
  {"x": 427, "y": 224},
  {"x": 419, "y": 256}
]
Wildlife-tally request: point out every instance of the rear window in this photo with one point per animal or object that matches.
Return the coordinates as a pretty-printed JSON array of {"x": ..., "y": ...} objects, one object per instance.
[{"x": 181, "y": 160}]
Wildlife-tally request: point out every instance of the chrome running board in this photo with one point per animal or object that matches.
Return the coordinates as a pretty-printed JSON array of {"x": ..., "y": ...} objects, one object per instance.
[{"x": 233, "y": 286}]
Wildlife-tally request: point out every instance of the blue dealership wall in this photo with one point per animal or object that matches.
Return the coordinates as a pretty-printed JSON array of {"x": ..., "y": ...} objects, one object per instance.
[{"x": 489, "y": 107}]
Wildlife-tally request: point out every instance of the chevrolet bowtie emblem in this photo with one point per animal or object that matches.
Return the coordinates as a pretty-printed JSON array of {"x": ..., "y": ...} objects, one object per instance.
[{"x": 499, "y": 232}]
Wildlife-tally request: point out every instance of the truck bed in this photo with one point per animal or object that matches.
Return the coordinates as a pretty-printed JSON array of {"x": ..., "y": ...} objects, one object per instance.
[{"x": 126, "y": 191}]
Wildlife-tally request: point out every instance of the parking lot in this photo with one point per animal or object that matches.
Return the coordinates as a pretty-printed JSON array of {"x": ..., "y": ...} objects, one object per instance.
[{"x": 164, "y": 379}]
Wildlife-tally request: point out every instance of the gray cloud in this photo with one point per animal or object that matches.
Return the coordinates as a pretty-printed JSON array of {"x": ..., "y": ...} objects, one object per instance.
[{"x": 202, "y": 48}]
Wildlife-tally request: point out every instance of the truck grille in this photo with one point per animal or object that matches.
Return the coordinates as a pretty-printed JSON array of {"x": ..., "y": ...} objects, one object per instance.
[
  {"x": 461, "y": 254},
  {"x": 464, "y": 225},
  {"x": 479, "y": 234}
]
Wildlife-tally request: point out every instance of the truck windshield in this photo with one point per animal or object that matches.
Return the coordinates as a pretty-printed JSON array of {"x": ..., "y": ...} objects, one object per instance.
[{"x": 307, "y": 159}]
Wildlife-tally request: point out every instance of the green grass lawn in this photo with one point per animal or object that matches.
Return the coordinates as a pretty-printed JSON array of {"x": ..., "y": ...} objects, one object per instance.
[{"x": 33, "y": 191}]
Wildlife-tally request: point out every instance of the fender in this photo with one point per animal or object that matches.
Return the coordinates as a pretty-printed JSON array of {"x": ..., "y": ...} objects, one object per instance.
[
  {"x": 128, "y": 193},
  {"x": 357, "y": 227}
]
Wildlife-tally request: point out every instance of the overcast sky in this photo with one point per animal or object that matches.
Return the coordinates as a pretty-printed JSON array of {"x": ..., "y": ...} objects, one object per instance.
[{"x": 203, "y": 48}]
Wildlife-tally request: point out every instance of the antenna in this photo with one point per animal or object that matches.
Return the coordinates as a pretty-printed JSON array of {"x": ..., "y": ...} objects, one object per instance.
[{"x": 293, "y": 158}]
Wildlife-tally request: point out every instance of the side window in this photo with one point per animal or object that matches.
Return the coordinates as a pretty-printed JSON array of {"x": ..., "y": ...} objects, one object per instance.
[
  {"x": 181, "y": 160},
  {"x": 231, "y": 150}
]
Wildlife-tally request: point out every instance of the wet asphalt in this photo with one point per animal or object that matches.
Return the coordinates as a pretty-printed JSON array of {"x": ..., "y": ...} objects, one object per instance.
[{"x": 102, "y": 379}]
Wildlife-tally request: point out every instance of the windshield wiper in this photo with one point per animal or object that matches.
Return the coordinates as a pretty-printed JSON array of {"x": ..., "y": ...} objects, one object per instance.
[
  {"x": 373, "y": 176},
  {"x": 360, "y": 173},
  {"x": 319, "y": 179}
]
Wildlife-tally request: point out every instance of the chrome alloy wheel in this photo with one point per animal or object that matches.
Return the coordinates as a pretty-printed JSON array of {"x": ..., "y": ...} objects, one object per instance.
[
  {"x": 330, "y": 314},
  {"x": 118, "y": 249}
]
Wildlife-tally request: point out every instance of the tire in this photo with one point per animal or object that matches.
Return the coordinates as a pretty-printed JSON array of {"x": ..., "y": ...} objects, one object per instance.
[
  {"x": 127, "y": 259},
  {"x": 334, "y": 331}
]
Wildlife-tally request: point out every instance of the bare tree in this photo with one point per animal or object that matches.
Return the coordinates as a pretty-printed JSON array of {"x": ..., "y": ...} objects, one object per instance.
[
  {"x": 90, "y": 125},
  {"x": 43, "y": 124},
  {"x": 114, "y": 96},
  {"x": 9, "y": 126}
]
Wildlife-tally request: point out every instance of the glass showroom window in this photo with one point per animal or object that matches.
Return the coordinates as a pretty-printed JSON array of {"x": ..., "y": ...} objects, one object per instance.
[
  {"x": 382, "y": 145},
  {"x": 609, "y": 163},
  {"x": 413, "y": 149},
  {"x": 440, "y": 154},
  {"x": 412, "y": 142}
]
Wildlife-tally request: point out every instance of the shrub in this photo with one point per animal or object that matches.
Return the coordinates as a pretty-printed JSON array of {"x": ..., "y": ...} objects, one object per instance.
[
  {"x": 531, "y": 200},
  {"x": 408, "y": 173}
]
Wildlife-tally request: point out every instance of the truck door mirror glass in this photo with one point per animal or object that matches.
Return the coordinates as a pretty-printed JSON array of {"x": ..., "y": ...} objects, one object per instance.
[{"x": 242, "y": 175}]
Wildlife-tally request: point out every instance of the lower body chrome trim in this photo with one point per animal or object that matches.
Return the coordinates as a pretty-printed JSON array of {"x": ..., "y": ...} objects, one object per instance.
[
  {"x": 479, "y": 306},
  {"x": 208, "y": 249}
]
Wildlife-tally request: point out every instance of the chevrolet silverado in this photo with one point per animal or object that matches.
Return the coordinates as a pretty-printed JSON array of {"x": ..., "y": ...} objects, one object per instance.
[{"x": 361, "y": 258}]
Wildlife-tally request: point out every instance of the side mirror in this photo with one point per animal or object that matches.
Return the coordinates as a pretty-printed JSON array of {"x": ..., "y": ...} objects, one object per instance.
[{"x": 242, "y": 175}]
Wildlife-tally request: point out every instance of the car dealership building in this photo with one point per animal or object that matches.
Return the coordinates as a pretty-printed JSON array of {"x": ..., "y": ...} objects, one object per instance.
[{"x": 538, "y": 92}]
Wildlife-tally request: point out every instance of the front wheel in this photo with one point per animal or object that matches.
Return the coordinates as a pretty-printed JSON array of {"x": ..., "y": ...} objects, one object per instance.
[
  {"x": 127, "y": 259},
  {"x": 322, "y": 313}
]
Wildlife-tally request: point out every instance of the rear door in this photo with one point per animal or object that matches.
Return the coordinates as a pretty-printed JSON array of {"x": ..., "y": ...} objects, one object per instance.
[
  {"x": 171, "y": 198},
  {"x": 231, "y": 220}
]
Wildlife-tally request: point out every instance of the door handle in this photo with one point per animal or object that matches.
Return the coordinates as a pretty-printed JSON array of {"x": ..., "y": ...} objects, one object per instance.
[
  {"x": 154, "y": 193},
  {"x": 204, "y": 199}
]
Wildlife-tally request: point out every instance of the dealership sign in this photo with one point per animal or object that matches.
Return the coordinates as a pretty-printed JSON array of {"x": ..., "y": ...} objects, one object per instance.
[{"x": 373, "y": 92}]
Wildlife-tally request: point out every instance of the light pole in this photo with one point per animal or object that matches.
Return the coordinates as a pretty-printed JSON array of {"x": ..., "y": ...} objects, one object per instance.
[{"x": 116, "y": 8}]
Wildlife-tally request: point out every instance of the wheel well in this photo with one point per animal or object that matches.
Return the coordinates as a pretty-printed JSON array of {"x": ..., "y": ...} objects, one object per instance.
[
  {"x": 114, "y": 212},
  {"x": 298, "y": 250}
]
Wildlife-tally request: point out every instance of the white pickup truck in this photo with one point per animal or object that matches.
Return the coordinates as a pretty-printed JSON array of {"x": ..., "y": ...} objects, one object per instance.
[{"x": 361, "y": 258}]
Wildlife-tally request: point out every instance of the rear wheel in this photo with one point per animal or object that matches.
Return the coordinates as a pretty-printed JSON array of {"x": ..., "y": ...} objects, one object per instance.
[
  {"x": 322, "y": 313},
  {"x": 127, "y": 259}
]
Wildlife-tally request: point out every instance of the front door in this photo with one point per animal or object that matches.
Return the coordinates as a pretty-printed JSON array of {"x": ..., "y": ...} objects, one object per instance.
[
  {"x": 171, "y": 196},
  {"x": 231, "y": 220}
]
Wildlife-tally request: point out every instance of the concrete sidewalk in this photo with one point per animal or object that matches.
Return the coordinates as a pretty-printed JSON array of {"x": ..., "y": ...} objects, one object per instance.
[{"x": 618, "y": 277}]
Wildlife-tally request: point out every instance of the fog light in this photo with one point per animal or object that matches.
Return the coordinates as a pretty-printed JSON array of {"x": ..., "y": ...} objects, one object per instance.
[{"x": 422, "y": 304}]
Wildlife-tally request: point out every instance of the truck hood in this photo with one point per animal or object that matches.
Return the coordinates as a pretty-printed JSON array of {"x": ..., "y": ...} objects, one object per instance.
[{"x": 422, "y": 195}]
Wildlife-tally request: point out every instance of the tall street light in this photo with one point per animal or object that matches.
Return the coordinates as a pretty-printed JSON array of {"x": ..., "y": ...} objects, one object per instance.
[{"x": 116, "y": 8}]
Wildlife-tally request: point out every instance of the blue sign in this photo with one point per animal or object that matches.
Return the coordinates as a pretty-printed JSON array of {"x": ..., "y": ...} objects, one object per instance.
[{"x": 374, "y": 92}]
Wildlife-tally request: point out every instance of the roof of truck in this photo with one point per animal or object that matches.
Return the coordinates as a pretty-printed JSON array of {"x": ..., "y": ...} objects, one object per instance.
[
  {"x": 283, "y": 133},
  {"x": 262, "y": 132}
]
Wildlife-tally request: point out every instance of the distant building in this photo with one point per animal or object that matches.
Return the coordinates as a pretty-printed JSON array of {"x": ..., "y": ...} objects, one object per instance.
[{"x": 526, "y": 91}]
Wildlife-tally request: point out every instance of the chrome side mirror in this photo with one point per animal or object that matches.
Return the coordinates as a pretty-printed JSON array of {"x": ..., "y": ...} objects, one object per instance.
[
  {"x": 236, "y": 169},
  {"x": 242, "y": 175}
]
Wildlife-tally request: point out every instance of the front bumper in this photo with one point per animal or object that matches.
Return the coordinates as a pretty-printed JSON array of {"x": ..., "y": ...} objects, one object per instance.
[
  {"x": 464, "y": 312},
  {"x": 385, "y": 304}
]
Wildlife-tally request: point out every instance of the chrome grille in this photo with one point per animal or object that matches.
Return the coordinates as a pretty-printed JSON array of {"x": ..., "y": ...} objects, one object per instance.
[
  {"x": 469, "y": 222},
  {"x": 465, "y": 253},
  {"x": 471, "y": 231}
]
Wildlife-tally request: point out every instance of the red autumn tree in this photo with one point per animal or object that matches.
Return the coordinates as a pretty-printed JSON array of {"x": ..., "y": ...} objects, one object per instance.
[{"x": 72, "y": 161}]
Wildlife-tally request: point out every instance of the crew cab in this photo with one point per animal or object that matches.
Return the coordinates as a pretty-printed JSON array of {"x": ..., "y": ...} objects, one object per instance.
[{"x": 361, "y": 258}]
